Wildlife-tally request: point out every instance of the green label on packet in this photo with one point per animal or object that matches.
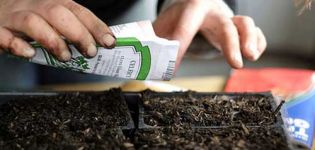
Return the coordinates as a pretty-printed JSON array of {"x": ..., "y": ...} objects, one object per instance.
[
  {"x": 80, "y": 63},
  {"x": 143, "y": 50}
]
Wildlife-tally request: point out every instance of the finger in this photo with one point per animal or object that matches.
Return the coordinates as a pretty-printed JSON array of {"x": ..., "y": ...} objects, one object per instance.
[
  {"x": 100, "y": 31},
  {"x": 261, "y": 40},
  {"x": 212, "y": 38},
  {"x": 230, "y": 45},
  {"x": 224, "y": 36},
  {"x": 15, "y": 45},
  {"x": 68, "y": 25},
  {"x": 30, "y": 23},
  {"x": 248, "y": 37}
]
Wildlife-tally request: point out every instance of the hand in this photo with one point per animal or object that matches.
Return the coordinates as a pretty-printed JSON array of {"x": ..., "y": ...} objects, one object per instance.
[
  {"x": 45, "y": 21},
  {"x": 234, "y": 35}
]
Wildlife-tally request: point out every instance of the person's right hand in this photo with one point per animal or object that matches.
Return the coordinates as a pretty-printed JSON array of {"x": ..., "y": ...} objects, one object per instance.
[{"x": 46, "y": 21}]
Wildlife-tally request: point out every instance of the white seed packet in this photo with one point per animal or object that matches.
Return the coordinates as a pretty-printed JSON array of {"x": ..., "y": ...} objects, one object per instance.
[{"x": 139, "y": 54}]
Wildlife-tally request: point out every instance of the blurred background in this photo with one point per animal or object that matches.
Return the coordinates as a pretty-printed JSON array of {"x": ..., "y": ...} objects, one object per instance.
[{"x": 291, "y": 43}]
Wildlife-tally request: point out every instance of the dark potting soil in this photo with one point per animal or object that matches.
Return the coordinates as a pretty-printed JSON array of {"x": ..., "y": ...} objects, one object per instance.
[
  {"x": 233, "y": 138},
  {"x": 82, "y": 121},
  {"x": 81, "y": 140},
  {"x": 213, "y": 110},
  {"x": 66, "y": 121}
]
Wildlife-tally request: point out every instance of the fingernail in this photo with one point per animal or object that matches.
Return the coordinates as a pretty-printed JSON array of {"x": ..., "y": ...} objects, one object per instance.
[
  {"x": 92, "y": 50},
  {"x": 109, "y": 41},
  {"x": 29, "y": 52},
  {"x": 254, "y": 51},
  {"x": 65, "y": 55},
  {"x": 238, "y": 60}
]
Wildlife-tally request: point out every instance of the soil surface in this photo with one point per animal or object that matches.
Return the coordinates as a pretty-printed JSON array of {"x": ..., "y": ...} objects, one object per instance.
[
  {"x": 207, "y": 110},
  {"x": 81, "y": 121},
  {"x": 68, "y": 121},
  {"x": 232, "y": 138}
]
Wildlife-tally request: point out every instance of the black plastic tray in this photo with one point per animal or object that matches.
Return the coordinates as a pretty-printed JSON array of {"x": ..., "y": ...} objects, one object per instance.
[
  {"x": 134, "y": 101},
  {"x": 197, "y": 96},
  {"x": 138, "y": 99}
]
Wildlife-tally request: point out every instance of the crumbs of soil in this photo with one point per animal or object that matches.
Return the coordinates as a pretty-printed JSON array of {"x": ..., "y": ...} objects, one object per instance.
[
  {"x": 81, "y": 140},
  {"x": 261, "y": 138},
  {"x": 207, "y": 110},
  {"x": 77, "y": 120}
]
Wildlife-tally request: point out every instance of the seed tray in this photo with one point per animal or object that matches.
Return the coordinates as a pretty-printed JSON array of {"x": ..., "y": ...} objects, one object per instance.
[
  {"x": 208, "y": 109},
  {"x": 129, "y": 134},
  {"x": 173, "y": 128}
]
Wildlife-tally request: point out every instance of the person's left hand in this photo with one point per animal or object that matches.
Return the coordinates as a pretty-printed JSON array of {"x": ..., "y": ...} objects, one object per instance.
[{"x": 236, "y": 36}]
